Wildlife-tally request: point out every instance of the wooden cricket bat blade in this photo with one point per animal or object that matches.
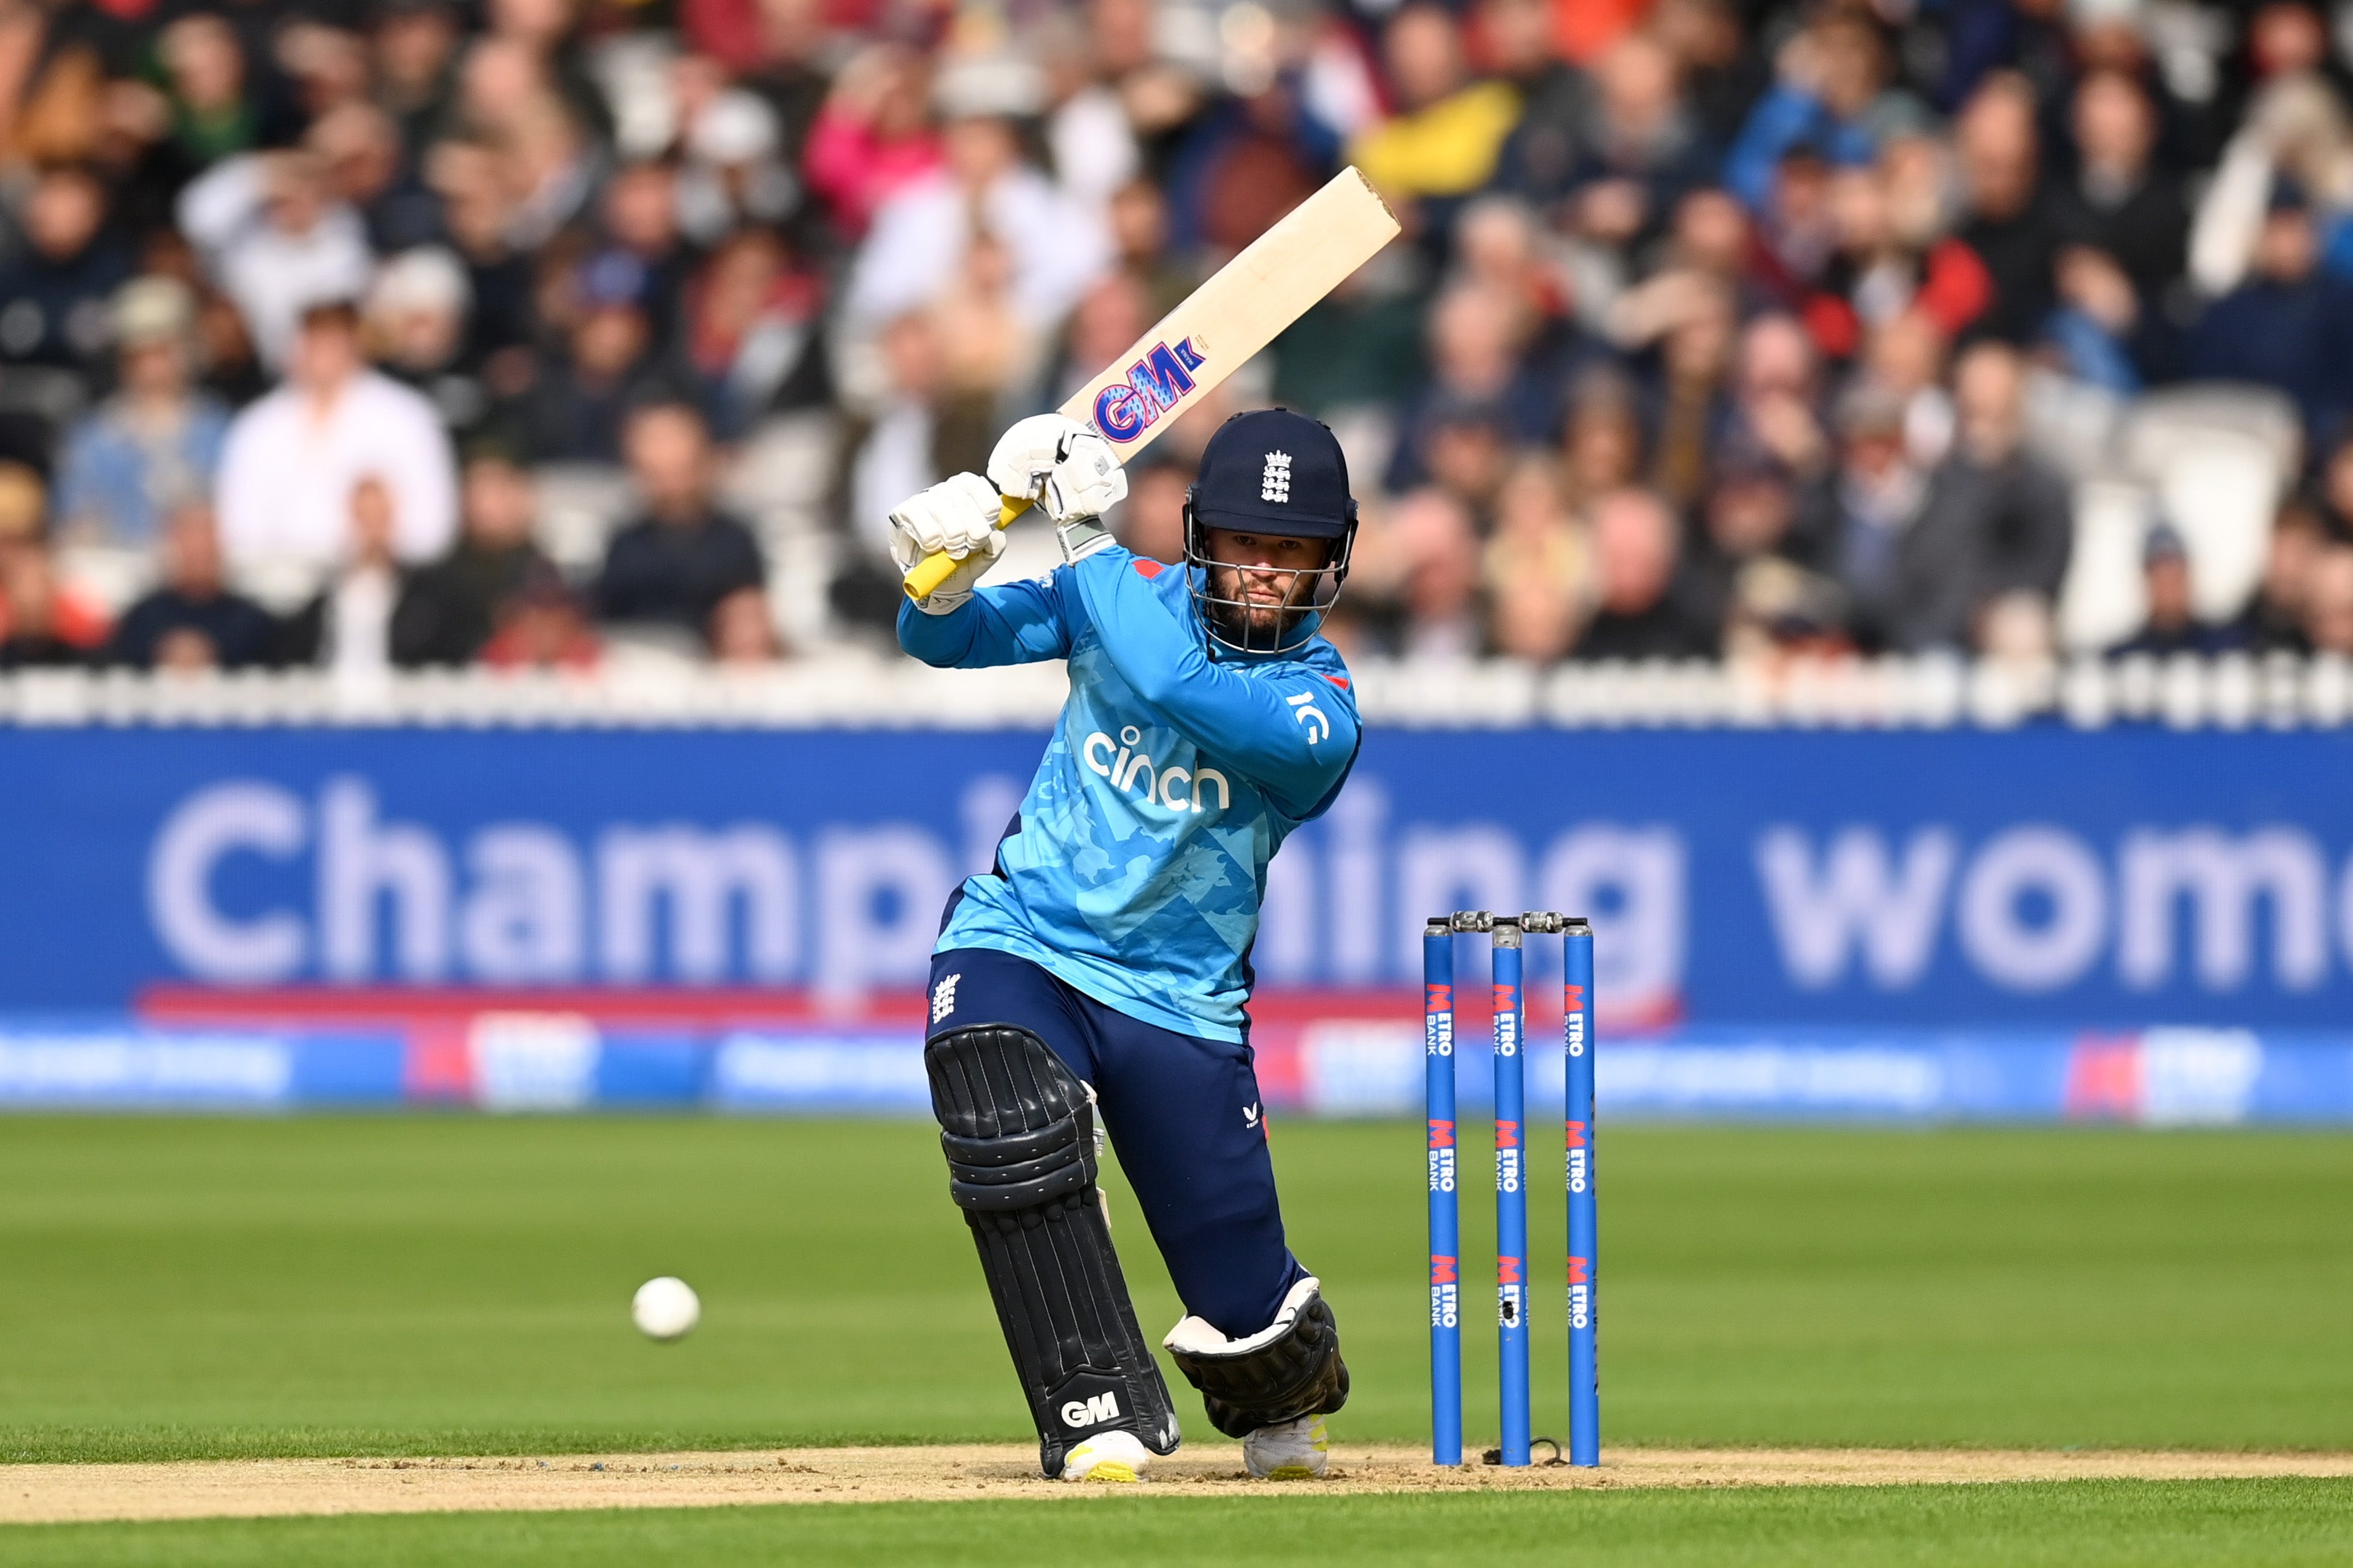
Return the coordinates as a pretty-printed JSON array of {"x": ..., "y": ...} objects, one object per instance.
[{"x": 1218, "y": 328}]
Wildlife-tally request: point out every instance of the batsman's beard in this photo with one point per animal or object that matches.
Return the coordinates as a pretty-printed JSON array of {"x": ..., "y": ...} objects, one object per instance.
[{"x": 1258, "y": 607}]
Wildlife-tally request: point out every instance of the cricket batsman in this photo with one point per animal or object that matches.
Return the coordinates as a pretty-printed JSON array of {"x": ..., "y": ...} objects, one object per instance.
[{"x": 1100, "y": 969}]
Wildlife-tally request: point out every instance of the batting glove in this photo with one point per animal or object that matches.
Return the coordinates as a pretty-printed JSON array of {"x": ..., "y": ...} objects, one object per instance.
[
  {"x": 956, "y": 517},
  {"x": 1059, "y": 463}
]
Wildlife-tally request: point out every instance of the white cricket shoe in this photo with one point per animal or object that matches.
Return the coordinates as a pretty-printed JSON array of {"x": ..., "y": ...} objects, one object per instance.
[
  {"x": 1115, "y": 1458},
  {"x": 1288, "y": 1451}
]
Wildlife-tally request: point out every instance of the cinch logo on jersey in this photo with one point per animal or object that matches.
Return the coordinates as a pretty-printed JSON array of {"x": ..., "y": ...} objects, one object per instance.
[
  {"x": 1155, "y": 384},
  {"x": 1177, "y": 788},
  {"x": 1090, "y": 1412}
]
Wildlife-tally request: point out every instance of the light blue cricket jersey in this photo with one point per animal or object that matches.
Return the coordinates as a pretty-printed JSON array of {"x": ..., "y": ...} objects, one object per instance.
[{"x": 1135, "y": 870}]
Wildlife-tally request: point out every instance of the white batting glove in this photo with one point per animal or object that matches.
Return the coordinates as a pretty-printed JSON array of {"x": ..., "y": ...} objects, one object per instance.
[
  {"x": 958, "y": 517},
  {"x": 1027, "y": 452},
  {"x": 1087, "y": 482},
  {"x": 1059, "y": 463}
]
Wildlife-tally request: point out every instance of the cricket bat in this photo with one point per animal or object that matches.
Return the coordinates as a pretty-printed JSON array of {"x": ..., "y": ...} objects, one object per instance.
[{"x": 1218, "y": 328}]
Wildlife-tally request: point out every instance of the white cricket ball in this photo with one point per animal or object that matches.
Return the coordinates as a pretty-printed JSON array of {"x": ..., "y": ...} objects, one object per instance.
[{"x": 665, "y": 1309}]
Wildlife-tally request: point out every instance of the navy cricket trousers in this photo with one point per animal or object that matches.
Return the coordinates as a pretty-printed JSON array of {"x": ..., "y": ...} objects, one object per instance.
[{"x": 1183, "y": 1115}]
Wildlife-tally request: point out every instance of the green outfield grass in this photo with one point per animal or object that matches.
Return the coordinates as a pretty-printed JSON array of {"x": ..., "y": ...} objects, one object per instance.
[
  {"x": 188, "y": 1288},
  {"x": 2114, "y": 1525}
]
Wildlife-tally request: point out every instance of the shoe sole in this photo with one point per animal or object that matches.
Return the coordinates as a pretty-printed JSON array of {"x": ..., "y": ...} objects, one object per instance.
[
  {"x": 1111, "y": 1472},
  {"x": 1292, "y": 1473}
]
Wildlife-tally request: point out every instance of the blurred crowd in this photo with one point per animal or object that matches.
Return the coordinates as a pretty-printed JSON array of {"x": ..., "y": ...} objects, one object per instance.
[{"x": 1736, "y": 328}]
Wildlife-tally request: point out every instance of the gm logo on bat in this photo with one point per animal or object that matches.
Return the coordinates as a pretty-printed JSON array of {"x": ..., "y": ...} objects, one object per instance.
[{"x": 1156, "y": 384}]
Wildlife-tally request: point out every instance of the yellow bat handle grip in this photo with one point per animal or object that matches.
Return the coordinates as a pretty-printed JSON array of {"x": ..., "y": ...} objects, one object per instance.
[{"x": 927, "y": 574}]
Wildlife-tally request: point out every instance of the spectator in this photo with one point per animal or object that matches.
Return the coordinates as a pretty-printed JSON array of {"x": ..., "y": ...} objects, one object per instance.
[
  {"x": 53, "y": 296},
  {"x": 366, "y": 168},
  {"x": 874, "y": 139},
  {"x": 1151, "y": 521},
  {"x": 541, "y": 627},
  {"x": 1429, "y": 536},
  {"x": 1750, "y": 514},
  {"x": 1603, "y": 438},
  {"x": 447, "y": 610},
  {"x": 752, "y": 331},
  {"x": 675, "y": 564},
  {"x": 2172, "y": 624},
  {"x": 734, "y": 174},
  {"x": 1832, "y": 98},
  {"x": 2119, "y": 203},
  {"x": 920, "y": 234},
  {"x": 1865, "y": 514},
  {"x": 2013, "y": 227},
  {"x": 605, "y": 365},
  {"x": 1691, "y": 396},
  {"x": 1449, "y": 130},
  {"x": 1535, "y": 567},
  {"x": 292, "y": 459},
  {"x": 192, "y": 621},
  {"x": 1875, "y": 275},
  {"x": 1555, "y": 97},
  {"x": 1776, "y": 392},
  {"x": 1639, "y": 152},
  {"x": 2289, "y": 326},
  {"x": 1638, "y": 610},
  {"x": 1723, "y": 75},
  {"x": 2016, "y": 504},
  {"x": 2329, "y": 603},
  {"x": 415, "y": 325},
  {"x": 157, "y": 442},
  {"x": 2296, "y": 135},
  {"x": 348, "y": 629},
  {"x": 743, "y": 630},
  {"x": 1500, "y": 248},
  {"x": 276, "y": 243},
  {"x": 918, "y": 435},
  {"x": 37, "y": 621},
  {"x": 504, "y": 319},
  {"x": 213, "y": 115},
  {"x": 1476, "y": 333},
  {"x": 2274, "y": 623},
  {"x": 639, "y": 215},
  {"x": 416, "y": 49},
  {"x": 1994, "y": 522}
]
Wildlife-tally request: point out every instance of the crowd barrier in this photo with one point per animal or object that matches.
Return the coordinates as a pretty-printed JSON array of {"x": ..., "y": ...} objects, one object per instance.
[{"x": 1360, "y": 1067}]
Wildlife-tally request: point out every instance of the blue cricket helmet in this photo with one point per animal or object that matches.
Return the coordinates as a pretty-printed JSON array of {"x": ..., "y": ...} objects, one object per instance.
[{"x": 1269, "y": 471}]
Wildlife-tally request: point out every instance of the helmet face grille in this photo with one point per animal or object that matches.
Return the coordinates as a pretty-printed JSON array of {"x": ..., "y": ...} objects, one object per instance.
[{"x": 1232, "y": 624}]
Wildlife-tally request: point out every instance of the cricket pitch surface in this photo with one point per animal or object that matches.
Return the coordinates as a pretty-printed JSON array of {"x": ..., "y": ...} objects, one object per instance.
[{"x": 46, "y": 1493}]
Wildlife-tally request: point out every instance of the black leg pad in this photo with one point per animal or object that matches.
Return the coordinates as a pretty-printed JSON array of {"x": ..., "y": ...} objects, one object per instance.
[
  {"x": 1019, "y": 1131},
  {"x": 1289, "y": 1368}
]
